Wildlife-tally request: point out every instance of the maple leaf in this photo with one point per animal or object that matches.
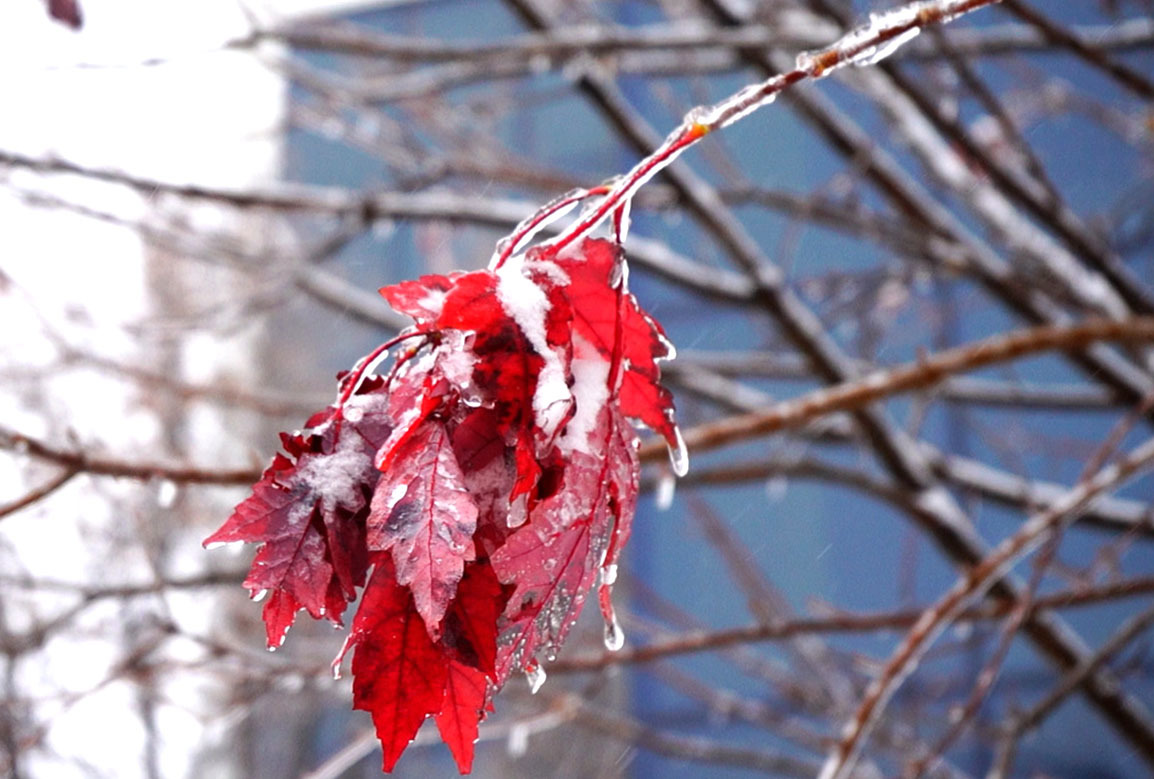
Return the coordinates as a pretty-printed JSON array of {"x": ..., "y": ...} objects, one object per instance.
[
  {"x": 488, "y": 481},
  {"x": 553, "y": 559},
  {"x": 308, "y": 510},
  {"x": 424, "y": 514},
  {"x": 399, "y": 674}
]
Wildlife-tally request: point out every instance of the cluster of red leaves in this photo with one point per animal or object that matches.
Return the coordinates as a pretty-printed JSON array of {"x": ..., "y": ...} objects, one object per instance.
[{"x": 485, "y": 482}]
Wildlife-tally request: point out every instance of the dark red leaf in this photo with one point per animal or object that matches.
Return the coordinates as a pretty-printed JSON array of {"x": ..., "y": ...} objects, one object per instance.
[{"x": 308, "y": 510}]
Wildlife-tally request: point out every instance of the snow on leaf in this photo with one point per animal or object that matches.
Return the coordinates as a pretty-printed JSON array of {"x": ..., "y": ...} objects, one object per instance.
[
  {"x": 490, "y": 478},
  {"x": 423, "y": 513},
  {"x": 308, "y": 511},
  {"x": 608, "y": 318}
]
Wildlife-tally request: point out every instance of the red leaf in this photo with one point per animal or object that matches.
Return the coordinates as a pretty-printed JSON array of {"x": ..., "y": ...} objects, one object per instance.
[
  {"x": 424, "y": 514},
  {"x": 421, "y": 299},
  {"x": 308, "y": 510},
  {"x": 508, "y": 480},
  {"x": 399, "y": 675},
  {"x": 554, "y": 558},
  {"x": 464, "y": 707},
  {"x": 470, "y": 633},
  {"x": 609, "y": 319},
  {"x": 66, "y": 12}
]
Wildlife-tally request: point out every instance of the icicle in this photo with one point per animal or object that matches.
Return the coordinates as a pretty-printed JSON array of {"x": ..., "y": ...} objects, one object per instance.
[
  {"x": 776, "y": 488},
  {"x": 614, "y": 637},
  {"x": 535, "y": 675},
  {"x": 666, "y": 486},
  {"x": 678, "y": 454},
  {"x": 518, "y": 743}
]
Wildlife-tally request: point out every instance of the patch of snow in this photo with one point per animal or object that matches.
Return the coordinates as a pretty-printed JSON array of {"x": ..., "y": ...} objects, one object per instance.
[{"x": 526, "y": 303}]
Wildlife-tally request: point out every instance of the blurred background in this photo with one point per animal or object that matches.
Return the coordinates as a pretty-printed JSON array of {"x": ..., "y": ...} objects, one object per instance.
[{"x": 198, "y": 202}]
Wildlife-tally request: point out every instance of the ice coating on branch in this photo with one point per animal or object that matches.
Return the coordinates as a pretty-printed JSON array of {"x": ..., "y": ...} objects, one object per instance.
[
  {"x": 875, "y": 54},
  {"x": 737, "y": 106},
  {"x": 884, "y": 34},
  {"x": 549, "y": 213}
]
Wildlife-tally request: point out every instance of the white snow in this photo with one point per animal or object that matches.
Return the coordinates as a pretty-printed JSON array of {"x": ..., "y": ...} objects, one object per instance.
[
  {"x": 526, "y": 303},
  {"x": 591, "y": 392}
]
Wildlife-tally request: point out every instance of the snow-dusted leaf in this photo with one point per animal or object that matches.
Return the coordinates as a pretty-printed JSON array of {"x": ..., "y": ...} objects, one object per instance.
[
  {"x": 423, "y": 513},
  {"x": 308, "y": 510},
  {"x": 503, "y": 477}
]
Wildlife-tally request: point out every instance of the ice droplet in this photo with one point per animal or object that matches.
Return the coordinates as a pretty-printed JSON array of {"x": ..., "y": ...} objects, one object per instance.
[
  {"x": 609, "y": 575},
  {"x": 166, "y": 494},
  {"x": 518, "y": 511},
  {"x": 678, "y": 454},
  {"x": 535, "y": 675},
  {"x": 215, "y": 545},
  {"x": 354, "y": 414},
  {"x": 776, "y": 488},
  {"x": 518, "y": 743},
  {"x": 259, "y": 595},
  {"x": 614, "y": 636},
  {"x": 666, "y": 486}
]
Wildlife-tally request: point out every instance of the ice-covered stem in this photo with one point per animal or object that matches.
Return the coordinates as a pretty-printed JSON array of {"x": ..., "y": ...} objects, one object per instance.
[
  {"x": 867, "y": 44},
  {"x": 548, "y": 213},
  {"x": 350, "y": 383},
  {"x": 973, "y": 583}
]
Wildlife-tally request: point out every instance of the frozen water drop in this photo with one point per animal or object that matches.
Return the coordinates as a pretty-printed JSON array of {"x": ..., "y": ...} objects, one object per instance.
[
  {"x": 518, "y": 743},
  {"x": 518, "y": 511},
  {"x": 259, "y": 595},
  {"x": 776, "y": 488},
  {"x": 354, "y": 414},
  {"x": 336, "y": 672},
  {"x": 166, "y": 494},
  {"x": 535, "y": 676},
  {"x": 678, "y": 454},
  {"x": 666, "y": 486},
  {"x": 609, "y": 575},
  {"x": 215, "y": 545},
  {"x": 272, "y": 648},
  {"x": 614, "y": 636}
]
